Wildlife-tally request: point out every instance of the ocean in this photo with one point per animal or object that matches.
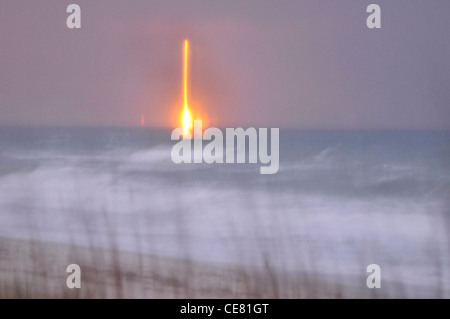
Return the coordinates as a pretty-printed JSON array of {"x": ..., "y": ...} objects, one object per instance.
[{"x": 340, "y": 201}]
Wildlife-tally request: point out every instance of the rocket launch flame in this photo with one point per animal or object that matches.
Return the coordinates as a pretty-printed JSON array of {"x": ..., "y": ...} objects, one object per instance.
[{"x": 187, "y": 118}]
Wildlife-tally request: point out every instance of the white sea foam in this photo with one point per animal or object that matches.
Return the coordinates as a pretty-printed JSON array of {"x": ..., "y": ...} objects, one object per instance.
[{"x": 323, "y": 213}]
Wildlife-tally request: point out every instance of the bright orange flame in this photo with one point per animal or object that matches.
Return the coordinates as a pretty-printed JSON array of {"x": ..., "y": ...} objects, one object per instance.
[{"x": 187, "y": 118}]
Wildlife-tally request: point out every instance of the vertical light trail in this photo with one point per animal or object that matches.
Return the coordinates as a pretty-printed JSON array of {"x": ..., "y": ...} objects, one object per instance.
[
  {"x": 187, "y": 119},
  {"x": 186, "y": 47}
]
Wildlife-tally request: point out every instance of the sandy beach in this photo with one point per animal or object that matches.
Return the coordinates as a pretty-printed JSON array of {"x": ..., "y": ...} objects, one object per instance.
[{"x": 34, "y": 269}]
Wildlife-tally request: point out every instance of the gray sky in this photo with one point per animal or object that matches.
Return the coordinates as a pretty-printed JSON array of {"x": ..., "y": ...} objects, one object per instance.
[{"x": 306, "y": 64}]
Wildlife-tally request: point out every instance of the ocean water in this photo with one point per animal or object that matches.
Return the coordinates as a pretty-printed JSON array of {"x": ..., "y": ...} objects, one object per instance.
[{"x": 341, "y": 200}]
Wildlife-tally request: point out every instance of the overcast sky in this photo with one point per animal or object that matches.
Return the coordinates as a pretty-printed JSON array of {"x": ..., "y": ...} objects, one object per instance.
[{"x": 305, "y": 64}]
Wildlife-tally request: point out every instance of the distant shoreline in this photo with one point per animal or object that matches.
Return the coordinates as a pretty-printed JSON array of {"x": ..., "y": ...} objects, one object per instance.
[{"x": 282, "y": 128}]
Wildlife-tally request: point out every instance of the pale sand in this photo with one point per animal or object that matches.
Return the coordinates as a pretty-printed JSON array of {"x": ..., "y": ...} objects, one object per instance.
[{"x": 32, "y": 269}]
